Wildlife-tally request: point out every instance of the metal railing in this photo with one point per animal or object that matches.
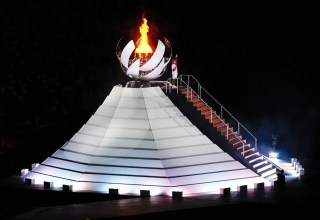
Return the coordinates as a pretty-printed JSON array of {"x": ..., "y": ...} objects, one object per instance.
[{"x": 194, "y": 89}]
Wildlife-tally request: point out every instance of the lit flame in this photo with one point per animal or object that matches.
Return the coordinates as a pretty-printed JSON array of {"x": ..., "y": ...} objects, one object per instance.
[{"x": 143, "y": 43}]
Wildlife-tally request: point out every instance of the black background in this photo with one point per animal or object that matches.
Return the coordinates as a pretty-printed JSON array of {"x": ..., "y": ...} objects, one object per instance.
[{"x": 58, "y": 64}]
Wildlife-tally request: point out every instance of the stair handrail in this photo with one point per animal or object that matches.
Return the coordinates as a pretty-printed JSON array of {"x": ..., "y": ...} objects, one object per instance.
[
  {"x": 192, "y": 91},
  {"x": 209, "y": 107},
  {"x": 274, "y": 164},
  {"x": 222, "y": 108}
]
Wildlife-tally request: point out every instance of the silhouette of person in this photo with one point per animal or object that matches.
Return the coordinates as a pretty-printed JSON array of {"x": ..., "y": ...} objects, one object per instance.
[
  {"x": 281, "y": 183},
  {"x": 174, "y": 69}
]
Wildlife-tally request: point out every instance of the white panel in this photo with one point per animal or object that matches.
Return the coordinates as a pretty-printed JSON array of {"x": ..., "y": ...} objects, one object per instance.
[
  {"x": 99, "y": 121},
  {"x": 125, "y": 179},
  {"x": 133, "y": 70},
  {"x": 173, "y": 112},
  {"x": 111, "y": 101},
  {"x": 75, "y": 157},
  {"x": 57, "y": 172},
  {"x": 125, "y": 171},
  {"x": 130, "y": 123},
  {"x": 93, "y": 130},
  {"x": 127, "y": 162},
  {"x": 134, "y": 143},
  {"x": 212, "y": 158},
  {"x": 105, "y": 111},
  {"x": 80, "y": 148},
  {"x": 78, "y": 167},
  {"x": 132, "y": 92},
  {"x": 208, "y": 168},
  {"x": 219, "y": 176},
  {"x": 127, "y": 153},
  {"x": 131, "y": 113},
  {"x": 156, "y": 57},
  {"x": 182, "y": 121},
  {"x": 129, "y": 133},
  {"x": 116, "y": 91},
  {"x": 108, "y": 160},
  {"x": 170, "y": 122},
  {"x": 126, "y": 53},
  {"x": 155, "y": 73},
  {"x": 176, "y": 132},
  {"x": 184, "y": 141},
  {"x": 113, "y": 133},
  {"x": 137, "y": 103},
  {"x": 158, "y": 102},
  {"x": 164, "y": 113},
  {"x": 85, "y": 139},
  {"x": 157, "y": 113},
  {"x": 189, "y": 151}
]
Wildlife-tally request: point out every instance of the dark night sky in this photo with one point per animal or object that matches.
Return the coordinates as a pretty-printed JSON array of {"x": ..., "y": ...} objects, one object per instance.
[{"x": 58, "y": 64}]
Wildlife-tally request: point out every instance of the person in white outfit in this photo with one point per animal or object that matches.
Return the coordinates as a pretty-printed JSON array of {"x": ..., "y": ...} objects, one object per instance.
[{"x": 174, "y": 69}]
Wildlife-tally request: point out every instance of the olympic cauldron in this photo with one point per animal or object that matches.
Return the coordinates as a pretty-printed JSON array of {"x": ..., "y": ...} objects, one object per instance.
[{"x": 140, "y": 62}]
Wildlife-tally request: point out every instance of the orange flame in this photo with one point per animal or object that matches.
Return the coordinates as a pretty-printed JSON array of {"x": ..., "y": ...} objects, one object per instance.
[{"x": 143, "y": 43}]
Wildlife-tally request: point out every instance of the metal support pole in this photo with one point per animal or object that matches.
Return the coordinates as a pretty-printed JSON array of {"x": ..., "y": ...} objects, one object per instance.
[
  {"x": 243, "y": 149},
  {"x": 255, "y": 144}
]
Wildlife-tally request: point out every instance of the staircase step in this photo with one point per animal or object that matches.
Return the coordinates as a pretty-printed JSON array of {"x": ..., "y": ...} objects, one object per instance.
[
  {"x": 207, "y": 112},
  {"x": 196, "y": 100},
  {"x": 184, "y": 90},
  {"x": 247, "y": 152},
  {"x": 238, "y": 143},
  {"x": 252, "y": 155},
  {"x": 214, "y": 116},
  {"x": 222, "y": 126},
  {"x": 269, "y": 172},
  {"x": 255, "y": 159},
  {"x": 272, "y": 177},
  {"x": 203, "y": 107},
  {"x": 233, "y": 135},
  {"x": 259, "y": 164},
  {"x": 216, "y": 121},
  {"x": 219, "y": 125},
  {"x": 265, "y": 167},
  {"x": 246, "y": 146},
  {"x": 226, "y": 131}
]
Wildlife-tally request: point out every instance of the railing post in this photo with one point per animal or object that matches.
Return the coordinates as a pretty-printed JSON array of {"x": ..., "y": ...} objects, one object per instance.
[
  {"x": 243, "y": 149},
  {"x": 221, "y": 112},
  {"x": 238, "y": 128},
  {"x": 227, "y": 132},
  {"x": 188, "y": 93},
  {"x": 255, "y": 144},
  {"x": 199, "y": 89},
  {"x": 191, "y": 94},
  {"x": 166, "y": 87},
  {"x": 177, "y": 85},
  {"x": 211, "y": 114},
  {"x": 188, "y": 87}
]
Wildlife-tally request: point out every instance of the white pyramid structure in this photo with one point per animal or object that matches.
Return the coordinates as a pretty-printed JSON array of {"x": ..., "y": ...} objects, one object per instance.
[{"x": 139, "y": 140}]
